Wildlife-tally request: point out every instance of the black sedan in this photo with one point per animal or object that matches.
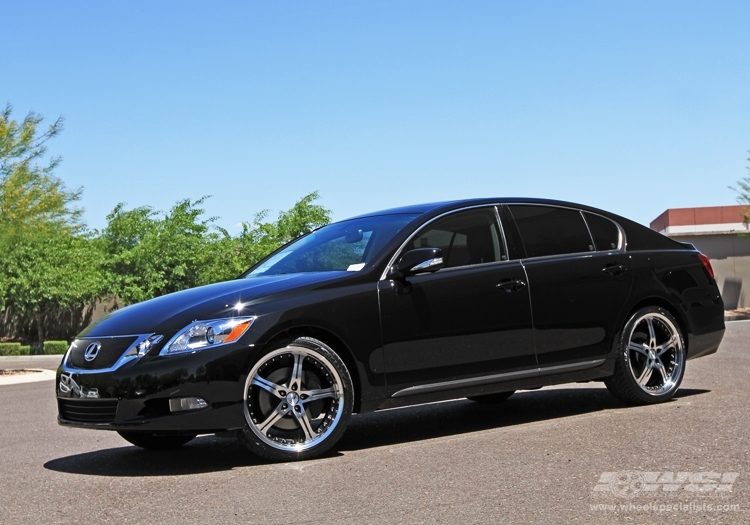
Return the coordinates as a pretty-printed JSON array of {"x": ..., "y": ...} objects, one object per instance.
[{"x": 475, "y": 298}]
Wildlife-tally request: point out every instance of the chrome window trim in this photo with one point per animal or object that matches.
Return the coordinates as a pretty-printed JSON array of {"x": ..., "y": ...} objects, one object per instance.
[
  {"x": 588, "y": 229},
  {"x": 124, "y": 358},
  {"x": 502, "y": 233},
  {"x": 414, "y": 233},
  {"x": 621, "y": 241},
  {"x": 621, "y": 247},
  {"x": 485, "y": 380},
  {"x": 464, "y": 267}
]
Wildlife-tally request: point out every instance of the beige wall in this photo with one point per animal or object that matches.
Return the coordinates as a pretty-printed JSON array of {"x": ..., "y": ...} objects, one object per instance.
[{"x": 730, "y": 259}]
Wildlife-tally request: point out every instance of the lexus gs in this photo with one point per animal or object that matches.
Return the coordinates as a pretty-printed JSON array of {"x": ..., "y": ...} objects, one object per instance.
[{"x": 475, "y": 298}]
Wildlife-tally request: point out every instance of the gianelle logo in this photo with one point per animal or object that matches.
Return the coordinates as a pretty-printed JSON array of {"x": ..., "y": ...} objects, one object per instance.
[{"x": 631, "y": 483}]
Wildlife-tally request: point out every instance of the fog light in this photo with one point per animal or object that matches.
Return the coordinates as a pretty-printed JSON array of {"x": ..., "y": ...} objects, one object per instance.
[{"x": 186, "y": 403}]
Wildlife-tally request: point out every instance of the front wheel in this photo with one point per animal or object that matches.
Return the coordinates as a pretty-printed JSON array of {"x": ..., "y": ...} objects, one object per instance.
[
  {"x": 298, "y": 401},
  {"x": 650, "y": 359}
]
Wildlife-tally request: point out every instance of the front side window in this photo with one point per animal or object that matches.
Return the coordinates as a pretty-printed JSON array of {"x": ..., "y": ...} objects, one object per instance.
[
  {"x": 347, "y": 245},
  {"x": 549, "y": 230},
  {"x": 465, "y": 237}
]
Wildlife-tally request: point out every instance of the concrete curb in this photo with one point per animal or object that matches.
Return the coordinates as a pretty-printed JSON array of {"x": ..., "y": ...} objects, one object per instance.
[
  {"x": 30, "y": 362},
  {"x": 38, "y": 375},
  {"x": 11, "y": 358},
  {"x": 744, "y": 317}
]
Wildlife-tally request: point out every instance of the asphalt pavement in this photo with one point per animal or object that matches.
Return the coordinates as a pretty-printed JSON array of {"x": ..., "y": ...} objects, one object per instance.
[{"x": 570, "y": 454}]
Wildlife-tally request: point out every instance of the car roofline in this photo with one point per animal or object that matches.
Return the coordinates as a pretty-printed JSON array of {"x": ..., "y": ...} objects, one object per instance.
[{"x": 442, "y": 206}]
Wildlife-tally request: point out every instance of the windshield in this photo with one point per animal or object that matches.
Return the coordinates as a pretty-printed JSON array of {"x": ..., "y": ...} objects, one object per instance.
[{"x": 347, "y": 245}]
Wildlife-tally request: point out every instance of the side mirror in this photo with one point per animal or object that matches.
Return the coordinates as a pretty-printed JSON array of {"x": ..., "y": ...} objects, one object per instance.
[{"x": 419, "y": 260}]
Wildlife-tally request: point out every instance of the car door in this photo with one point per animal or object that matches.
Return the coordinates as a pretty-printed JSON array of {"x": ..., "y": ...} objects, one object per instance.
[
  {"x": 465, "y": 323},
  {"x": 579, "y": 280}
]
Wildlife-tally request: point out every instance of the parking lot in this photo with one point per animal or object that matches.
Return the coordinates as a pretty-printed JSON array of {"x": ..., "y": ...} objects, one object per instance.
[{"x": 556, "y": 455}]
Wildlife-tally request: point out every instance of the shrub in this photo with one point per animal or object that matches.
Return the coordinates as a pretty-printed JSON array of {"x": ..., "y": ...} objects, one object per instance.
[
  {"x": 55, "y": 347},
  {"x": 36, "y": 348},
  {"x": 10, "y": 348},
  {"x": 24, "y": 350}
]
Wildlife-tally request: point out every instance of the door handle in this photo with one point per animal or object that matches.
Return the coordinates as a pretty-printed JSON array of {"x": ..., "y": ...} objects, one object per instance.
[
  {"x": 511, "y": 285},
  {"x": 615, "y": 269}
]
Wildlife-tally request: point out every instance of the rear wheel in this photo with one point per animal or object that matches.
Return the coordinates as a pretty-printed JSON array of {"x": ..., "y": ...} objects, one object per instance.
[
  {"x": 298, "y": 401},
  {"x": 650, "y": 358},
  {"x": 155, "y": 441}
]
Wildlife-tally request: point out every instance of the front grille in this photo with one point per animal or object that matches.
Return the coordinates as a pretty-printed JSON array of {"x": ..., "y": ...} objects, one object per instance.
[
  {"x": 88, "y": 411},
  {"x": 110, "y": 351}
]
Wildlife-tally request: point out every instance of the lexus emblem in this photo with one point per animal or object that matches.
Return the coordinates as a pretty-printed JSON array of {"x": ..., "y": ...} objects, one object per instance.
[{"x": 92, "y": 351}]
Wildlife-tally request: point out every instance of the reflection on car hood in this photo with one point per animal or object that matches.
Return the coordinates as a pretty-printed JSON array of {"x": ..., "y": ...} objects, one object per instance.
[{"x": 174, "y": 311}]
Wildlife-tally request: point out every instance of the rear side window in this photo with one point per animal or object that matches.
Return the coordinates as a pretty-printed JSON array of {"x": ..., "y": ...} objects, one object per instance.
[
  {"x": 606, "y": 234},
  {"x": 548, "y": 230}
]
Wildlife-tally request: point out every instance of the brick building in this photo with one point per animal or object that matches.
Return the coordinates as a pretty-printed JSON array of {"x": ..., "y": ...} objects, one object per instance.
[{"x": 722, "y": 234}]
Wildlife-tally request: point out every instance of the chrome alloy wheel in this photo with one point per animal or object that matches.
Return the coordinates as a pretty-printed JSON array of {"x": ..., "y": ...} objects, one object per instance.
[
  {"x": 655, "y": 353},
  {"x": 294, "y": 399}
]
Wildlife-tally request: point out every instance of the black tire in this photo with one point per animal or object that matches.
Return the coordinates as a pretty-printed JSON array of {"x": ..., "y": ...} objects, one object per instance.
[
  {"x": 298, "y": 401},
  {"x": 650, "y": 361},
  {"x": 156, "y": 441},
  {"x": 492, "y": 399}
]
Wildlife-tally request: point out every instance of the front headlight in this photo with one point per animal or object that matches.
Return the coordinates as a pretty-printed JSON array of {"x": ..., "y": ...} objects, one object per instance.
[{"x": 199, "y": 335}]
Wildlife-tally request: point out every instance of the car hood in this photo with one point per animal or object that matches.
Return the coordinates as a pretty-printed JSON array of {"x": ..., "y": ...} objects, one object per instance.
[{"x": 174, "y": 311}]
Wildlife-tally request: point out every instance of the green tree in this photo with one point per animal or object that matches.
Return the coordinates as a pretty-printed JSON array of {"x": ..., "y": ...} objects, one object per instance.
[
  {"x": 261, "y": 237},
  {"x": 48, "y": 274},
  {"x": 149, "y": 253},
  {"x": 47, "y": 262},
  {"x": 32, "y": 198},
  {"x": 50, "y": 264}
]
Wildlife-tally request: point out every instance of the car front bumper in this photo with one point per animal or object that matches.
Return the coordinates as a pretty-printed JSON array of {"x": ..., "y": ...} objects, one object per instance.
[{"x": 136, "y": 396}]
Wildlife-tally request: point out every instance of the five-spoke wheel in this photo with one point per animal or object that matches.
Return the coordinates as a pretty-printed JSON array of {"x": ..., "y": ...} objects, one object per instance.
[
  {"x": 298, "y": 400},
  {"x": 651, "y": 358}
]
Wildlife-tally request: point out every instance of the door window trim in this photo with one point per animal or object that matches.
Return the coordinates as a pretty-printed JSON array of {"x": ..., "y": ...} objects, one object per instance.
[
  {"x": 621, "y": 244},
  {"x": 399, "y": 252},
  {"x": 620, "y": 248}
]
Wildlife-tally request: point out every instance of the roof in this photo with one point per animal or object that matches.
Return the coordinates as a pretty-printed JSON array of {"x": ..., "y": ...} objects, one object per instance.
[
  {"x": 411, "y": 209},
  {"x": 447, "y": 205},
  {"x": 701, "y": 221}
]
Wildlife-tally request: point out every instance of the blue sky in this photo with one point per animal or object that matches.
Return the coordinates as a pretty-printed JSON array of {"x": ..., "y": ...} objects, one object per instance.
[{"x": 633, "y": 107}]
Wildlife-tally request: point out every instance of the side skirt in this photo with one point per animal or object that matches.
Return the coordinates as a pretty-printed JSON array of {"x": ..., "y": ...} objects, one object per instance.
[{"x": 522, "y": 380}]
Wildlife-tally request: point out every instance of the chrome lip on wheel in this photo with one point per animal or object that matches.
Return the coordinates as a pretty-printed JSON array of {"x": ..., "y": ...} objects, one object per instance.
[
  {"x": 655, "y": 354},
  {"x": 294, "y": 399}
]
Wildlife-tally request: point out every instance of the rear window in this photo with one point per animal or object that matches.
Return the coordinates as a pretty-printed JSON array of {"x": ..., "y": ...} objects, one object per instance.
[{"x": 549, "y": 230}]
